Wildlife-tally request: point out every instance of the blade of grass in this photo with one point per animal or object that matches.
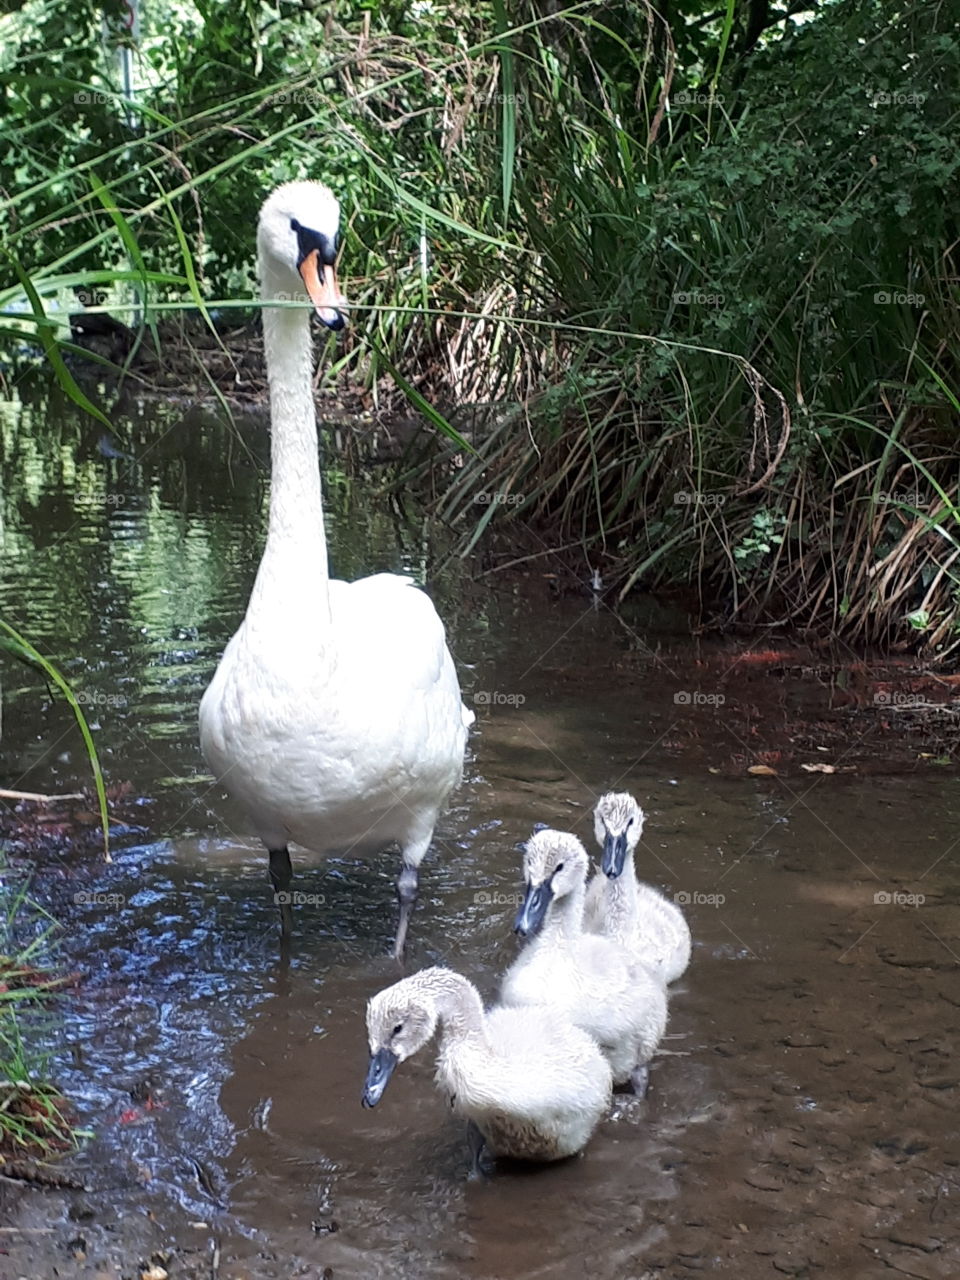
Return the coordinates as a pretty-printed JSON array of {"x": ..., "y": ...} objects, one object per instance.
[
  {"x": 36, "y": 657},
  {"x": 419, "y": 401},
  {"x": 508, "y": 114},
  {"x": 45, "y": 332}
]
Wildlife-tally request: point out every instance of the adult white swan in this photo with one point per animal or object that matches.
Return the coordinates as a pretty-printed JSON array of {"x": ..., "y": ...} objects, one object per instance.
[{"x": 334, "y": 716}]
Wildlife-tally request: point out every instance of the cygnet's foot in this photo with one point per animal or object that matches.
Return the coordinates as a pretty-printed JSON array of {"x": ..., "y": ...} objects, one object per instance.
[
  {"x": 480, "y": 1169},
  {"x": 640, "y": 1080}
]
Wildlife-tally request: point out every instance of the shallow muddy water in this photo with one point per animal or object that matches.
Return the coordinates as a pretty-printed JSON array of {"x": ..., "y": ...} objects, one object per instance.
[{"x": 802, "y": 1117}]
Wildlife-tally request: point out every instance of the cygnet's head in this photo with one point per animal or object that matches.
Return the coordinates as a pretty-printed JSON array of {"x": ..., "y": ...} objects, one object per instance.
[
  {"x": 554, "y": 865},
  {"x": 297, "y": 246},
  {"x": 618, "y": 824},
  {"x": 400, "y": 1020}
]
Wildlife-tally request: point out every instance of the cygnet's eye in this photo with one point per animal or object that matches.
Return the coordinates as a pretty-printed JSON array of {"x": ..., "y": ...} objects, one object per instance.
[
  {"x": 629, "y": 824},
  {"x": 559, "y": 867},
  {"x": 396, "y": 1030}
]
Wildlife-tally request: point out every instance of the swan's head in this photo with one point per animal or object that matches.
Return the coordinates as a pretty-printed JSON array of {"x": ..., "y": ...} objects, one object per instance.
[
  {"x": 618, "y": 824},
  {"x": 297, "y": 246},
  {"x": 554, "y": 865},
  {"x": 400, "y": 1020}
]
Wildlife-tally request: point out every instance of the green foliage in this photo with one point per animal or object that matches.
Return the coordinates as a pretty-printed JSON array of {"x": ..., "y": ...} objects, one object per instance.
[
  {"x": 32, "y": 1115},
  {"x": 21, "y": 649},
  {"x": 706, "y": 248},
  {"x": 765, "y": 533}
]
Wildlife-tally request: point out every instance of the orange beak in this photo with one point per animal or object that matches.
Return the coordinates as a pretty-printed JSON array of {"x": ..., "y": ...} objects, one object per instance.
[{"x": 323, "y": 290}]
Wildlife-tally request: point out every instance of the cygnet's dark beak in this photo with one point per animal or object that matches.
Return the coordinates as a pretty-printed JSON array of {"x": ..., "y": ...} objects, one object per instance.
[
  {"x": 614, "y": 855},
  {"x": 533, "y": 909},
  {"x": 382, "y": 1066}
]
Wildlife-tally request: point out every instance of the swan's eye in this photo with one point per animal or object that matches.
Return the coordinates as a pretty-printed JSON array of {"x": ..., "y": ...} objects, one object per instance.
[
  {"x": 397, "y": 1029},
  {"x": 294, "y": 225},
  {"x": 559, "y": 867},
  {"x": 629, "y": 824}
]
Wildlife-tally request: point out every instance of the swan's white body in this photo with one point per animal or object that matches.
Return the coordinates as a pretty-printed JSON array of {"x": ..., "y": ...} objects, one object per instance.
[
  {"x": 584, "y": 977},
  {"x": 534, "y": 1086},
  {"x": 350, "y": 743},
  {"x": 620, "y": 907},
  {"x": 335, "y": 715}
]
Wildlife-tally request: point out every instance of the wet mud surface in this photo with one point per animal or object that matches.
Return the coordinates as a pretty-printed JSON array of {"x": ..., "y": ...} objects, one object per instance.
[{"x": 801, "y": 1119}]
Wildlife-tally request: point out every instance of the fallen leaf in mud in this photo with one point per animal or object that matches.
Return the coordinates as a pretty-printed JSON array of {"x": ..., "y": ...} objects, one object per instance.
[
  {"x": 819, "y": 768},
  {"x": 762, "y": 771}
]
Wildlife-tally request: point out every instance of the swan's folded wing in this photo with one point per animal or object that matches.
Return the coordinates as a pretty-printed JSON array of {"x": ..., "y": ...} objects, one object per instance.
[
  {"x": 544, "y": 1064},
  {"x": 387, "y": 620}
]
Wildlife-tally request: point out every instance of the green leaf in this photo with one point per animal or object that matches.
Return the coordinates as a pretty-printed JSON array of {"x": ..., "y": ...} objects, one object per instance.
[
  {"x": 45, "y": 332},
  {"x": 508, "y": 116},
  {"x": 27, "y": 652},
  {"x": 419, "y": 401}
]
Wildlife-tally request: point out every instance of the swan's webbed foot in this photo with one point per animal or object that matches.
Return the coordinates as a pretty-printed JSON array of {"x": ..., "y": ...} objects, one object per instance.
[
  {"x": 479, "y": 1168},
  {"x": 407, "y": 885},
  {"x": 281, "y": 873},
  {"x": 640, "y": 1080}
]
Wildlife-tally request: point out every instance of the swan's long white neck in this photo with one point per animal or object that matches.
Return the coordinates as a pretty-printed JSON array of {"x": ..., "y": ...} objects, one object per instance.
[
  {"x": 564, "y": 922},
  {"x": 459, "y": 1007},
  {"x": 621, "y": 893},
  {"x": 291, "y": 589}
]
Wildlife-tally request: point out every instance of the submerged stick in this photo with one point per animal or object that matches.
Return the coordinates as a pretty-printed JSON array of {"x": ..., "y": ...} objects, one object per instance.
[{"x": 37, "y": 797}]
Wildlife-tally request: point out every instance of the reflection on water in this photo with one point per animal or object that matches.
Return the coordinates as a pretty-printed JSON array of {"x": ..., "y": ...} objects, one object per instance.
[{"x": 808, "y": 1045}]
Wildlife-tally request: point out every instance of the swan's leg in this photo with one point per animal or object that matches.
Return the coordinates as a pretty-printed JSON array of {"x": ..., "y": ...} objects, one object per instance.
[
  {"x": 640, "y": 1080},
  {"x": 407, "y": 885},
  {"x": 477, "y": 1144},
  {"x": 281, "y": 874}
]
